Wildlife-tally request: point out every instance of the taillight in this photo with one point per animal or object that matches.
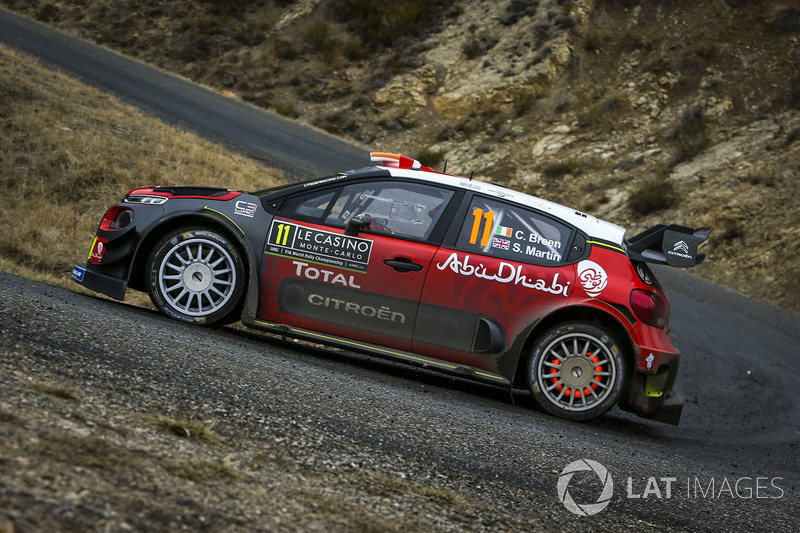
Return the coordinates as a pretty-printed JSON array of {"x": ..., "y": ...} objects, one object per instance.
[
  {"x": 649, "y": 307},
  {"x": 117, "y": 218}
]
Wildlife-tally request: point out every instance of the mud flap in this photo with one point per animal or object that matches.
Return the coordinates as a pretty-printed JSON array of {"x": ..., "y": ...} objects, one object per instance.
[{"x": 671, "y": 409}]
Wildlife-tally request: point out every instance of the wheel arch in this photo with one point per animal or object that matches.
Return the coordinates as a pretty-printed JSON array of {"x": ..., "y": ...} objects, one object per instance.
[
  {"x": 138, "y": 276},
  {"x": 578, "y": 313}
]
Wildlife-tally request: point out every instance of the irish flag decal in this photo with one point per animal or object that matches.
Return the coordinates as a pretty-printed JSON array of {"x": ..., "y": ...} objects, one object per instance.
[{"x": 503, "y": 231}]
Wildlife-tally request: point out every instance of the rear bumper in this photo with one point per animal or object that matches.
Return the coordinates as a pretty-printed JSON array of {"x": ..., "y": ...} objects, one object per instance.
[
  {"x": 108, "y": 285},
  {"x": 650, "y": 394}
]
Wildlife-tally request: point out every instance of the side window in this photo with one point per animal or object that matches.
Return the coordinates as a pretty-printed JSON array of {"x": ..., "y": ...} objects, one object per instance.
[
  {"x": 511, "y": 232},
  {"x": 313, "y": 207},
  {"x": 400, "y": 209}
]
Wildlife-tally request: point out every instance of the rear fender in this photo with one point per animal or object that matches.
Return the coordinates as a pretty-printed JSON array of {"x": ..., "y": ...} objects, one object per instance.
[{"x": 207, "y": 219}]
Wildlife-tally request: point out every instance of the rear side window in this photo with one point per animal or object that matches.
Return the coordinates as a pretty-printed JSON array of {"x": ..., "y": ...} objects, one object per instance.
[
  {"x": 511, "y": 232},
  {"x": 313, "y": 206}
]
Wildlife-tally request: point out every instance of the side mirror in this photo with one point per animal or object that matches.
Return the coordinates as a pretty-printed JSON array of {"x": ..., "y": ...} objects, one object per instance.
[{"x": 358, "y": 223}]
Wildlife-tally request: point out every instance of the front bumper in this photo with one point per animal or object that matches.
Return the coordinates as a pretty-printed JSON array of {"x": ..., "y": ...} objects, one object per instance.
[{"x": 110, "y": 286}]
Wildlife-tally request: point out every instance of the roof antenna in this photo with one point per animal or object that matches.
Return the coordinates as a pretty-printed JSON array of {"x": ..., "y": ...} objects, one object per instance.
[
  {"x": 445, "y": 167},
  {"x": 471, "y": 172}
]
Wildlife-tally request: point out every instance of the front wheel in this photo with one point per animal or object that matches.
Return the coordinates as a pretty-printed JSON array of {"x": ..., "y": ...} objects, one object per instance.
[
  {"x": 197, "y": 276},
  {"x": 576, "y": 371}
]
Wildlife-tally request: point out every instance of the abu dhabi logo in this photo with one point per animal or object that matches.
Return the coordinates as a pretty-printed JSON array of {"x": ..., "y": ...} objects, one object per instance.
[
  {"x": 592, "y": 277},
  {"x": 585, "y": 509}
]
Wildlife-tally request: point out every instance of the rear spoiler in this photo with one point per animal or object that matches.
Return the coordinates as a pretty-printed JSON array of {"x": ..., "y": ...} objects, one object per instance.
[{"x": 672, "y": 245}]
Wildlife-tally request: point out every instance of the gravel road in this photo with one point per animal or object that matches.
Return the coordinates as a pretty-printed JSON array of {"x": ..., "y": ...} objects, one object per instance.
[{"x": 314, "y": 438}]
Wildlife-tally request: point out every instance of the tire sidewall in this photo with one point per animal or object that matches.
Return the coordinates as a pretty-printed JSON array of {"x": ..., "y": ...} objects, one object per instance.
[
  {"x": 601, "y": 334},
  {"x": 162, "y": 248}
]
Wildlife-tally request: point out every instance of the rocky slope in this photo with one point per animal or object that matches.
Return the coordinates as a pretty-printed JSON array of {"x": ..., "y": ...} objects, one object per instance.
[{"x": 639, "y": 112}]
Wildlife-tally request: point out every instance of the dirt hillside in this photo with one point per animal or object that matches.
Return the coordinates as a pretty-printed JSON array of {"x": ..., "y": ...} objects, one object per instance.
[{"x": 636, "y": 111}]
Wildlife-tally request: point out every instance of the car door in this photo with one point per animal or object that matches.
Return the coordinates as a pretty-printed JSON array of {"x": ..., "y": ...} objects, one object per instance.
[
  {"x": 322, "y": 271},
  {"x": 505, "y": 266}
]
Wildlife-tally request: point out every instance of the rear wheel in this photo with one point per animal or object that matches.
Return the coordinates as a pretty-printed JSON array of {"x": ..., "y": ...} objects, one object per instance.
[
  {"x": 196, "y": 275},
  {"x": 576, "y": 371}
]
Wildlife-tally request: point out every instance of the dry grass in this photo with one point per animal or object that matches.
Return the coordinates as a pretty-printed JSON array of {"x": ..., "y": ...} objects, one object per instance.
[
  {"x": 54, "y": 390},
  {"x": 201, "y": 471},
  {"x": 68, "y": 151},
  {"x": 185, "y": 429}
]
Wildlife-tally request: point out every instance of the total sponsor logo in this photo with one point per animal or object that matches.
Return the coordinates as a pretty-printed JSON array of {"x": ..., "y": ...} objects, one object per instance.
[
  {"x": 328, "y": 276},
  {"x": 586, "y": 474}
]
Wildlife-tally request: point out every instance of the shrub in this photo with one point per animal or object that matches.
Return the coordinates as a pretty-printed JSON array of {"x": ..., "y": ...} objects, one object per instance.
[
  {"x": 285, "y": 108},
  {"x": 558, "y": 170},
  {"x": 431, "y": 157},
  {"x": 593, "y": 40},
  {"x": 478, "y": 45},
  {"x": 472, "y": 48},
  {"x": 319, "y": 35},
  {"x": 523, "y": 101},
  {"x": 691, "y": 136},
  {"x": 728, "y": 230},
  {"x": 379, "y": 22},
  {"x": 46, "y": 12},
  {"x": 651, "y": 195},
  {"x": 285, "y": 49},
  {"x": 591, "y": 115},
  {"x": 467, "y": 128},
  {"x": 198, "y": 50},
  {"x": 332, "y": 53},
  {"x": 355, "y": 50},
  {"x": 786, "y": 21},
  {"x": 793, "y": 93}
]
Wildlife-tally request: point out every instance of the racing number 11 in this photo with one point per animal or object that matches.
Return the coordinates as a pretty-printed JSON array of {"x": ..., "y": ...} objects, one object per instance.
[
  {"x": 283, "y": 234},
  {"x": 479, "y": 215}
]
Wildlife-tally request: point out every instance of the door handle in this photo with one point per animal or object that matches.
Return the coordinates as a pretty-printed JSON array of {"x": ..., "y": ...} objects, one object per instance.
[{"x": 401, "y": 264}]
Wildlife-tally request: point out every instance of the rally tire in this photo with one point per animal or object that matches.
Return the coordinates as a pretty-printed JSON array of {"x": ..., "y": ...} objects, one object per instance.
[
  {"x": 196, "y": 275},
  {"x": 577, "y": 371}
]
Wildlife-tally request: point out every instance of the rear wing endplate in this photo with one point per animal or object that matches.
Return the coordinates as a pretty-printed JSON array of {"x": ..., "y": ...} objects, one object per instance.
[{"x": 672, "y": 245}]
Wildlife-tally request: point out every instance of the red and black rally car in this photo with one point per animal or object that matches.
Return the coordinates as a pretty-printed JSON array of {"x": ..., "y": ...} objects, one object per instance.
[{"x": 407, "y": 263}]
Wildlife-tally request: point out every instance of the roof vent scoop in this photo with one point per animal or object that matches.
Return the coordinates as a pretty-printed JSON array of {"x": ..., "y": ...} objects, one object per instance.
[{"x": 386, "y": 159}]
